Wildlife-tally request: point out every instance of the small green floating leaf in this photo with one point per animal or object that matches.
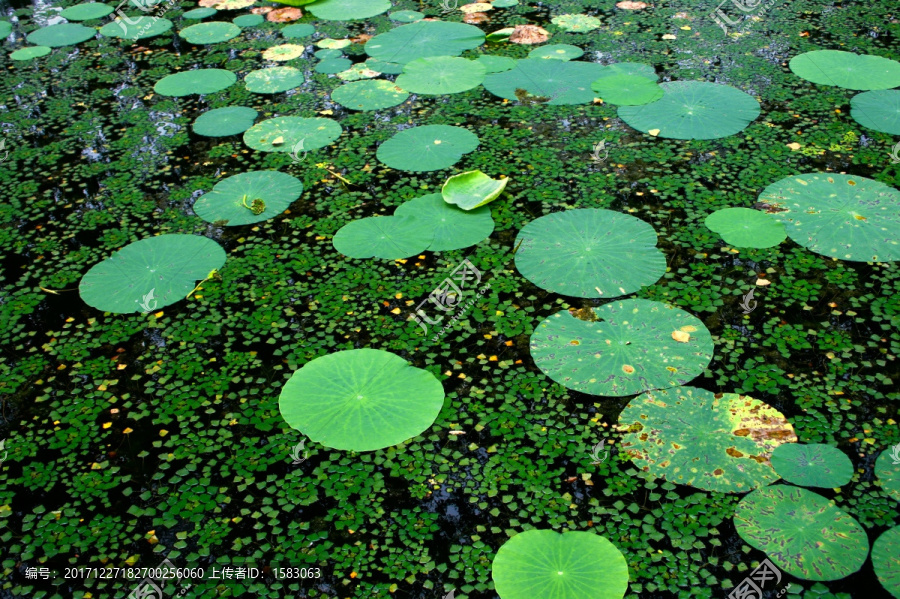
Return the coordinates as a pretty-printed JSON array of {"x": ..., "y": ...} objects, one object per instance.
[
  {"x": 571, "y": 565},
  {"x": 557, "y": 52},
  {"x": 30, "y": 53},
  {"x": 210, "y": 33},
  {"x": 330, "y": 66},
  {"x": 348, "y": 10},
  {"x": 439, "y": 75},
  {"x": 887, "y": 471},
  {"x": 576, "y": 23},
  {"x": 273, "y": 80},
  {"x": 472, "y": 189},
  {"x": 746, "y": 228},
  {"x": 385, "y": 237},
  {"x": 282, "y": 134},
  {"x": 64, "y": 34},
  {"x": 86, "y": 12},
  {"x": 406, "y": 16},
  {"x": 222, "y": 122},
  {"x": 199, "y": 13},
  {"x": 878, "y": 110},
  {"x": 812, "y": 465},
  {"x": 5, "y": 29},
  {"x": 627, "y": 90},
  {"x": 846, "y": 69},
  {"x": 369, "y": 95},
  {"x": 196, "y": 81},
  {"x": 249, "y": 20},
  {"x": 423, "y": 39},
  {"x": 136, "y": 28},
  {"x": 298, "y": 30}
]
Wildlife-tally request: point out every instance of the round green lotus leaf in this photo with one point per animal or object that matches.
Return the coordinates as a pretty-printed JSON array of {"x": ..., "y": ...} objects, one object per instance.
[
  {"x": 847, "y": 70},
  {"x": 86, "y": 12},
  {"x": 802, "y": 533},
  {"x": 638, "y": 69},
  {"x": 361, "y": 400},
  {"x": 496, "y": 64},
  {"x": 388, "y": 68},
  {"x": 232, "y": 199},
  {"x": 437, "y": 75},
  {"x": 813, "y": 465},
  {"x": 630, "y": 348},
  {"x": 557, "y": 52},
  {"x": 472, "y": 189},
  {"x": 248, "y": 20},
  {"x": 282, "y": 134},
  {"x": 222, "y": 122},
  {"x": 64, "y": 34},
  {"x": 30, "y": 52},
  {"x": 136, "y": 28},
  {"x": 694, "y": 110},
  {"x": 406, "y": 16},
  {"x": 878, "y": 110},
  {"x": 283, "y": 52},
  {"x": 200, "y": 13},
  {"x": 195, "y": 81},
  {"x": 150, "y": 274},
  {"x": 273, "y": 80},
  {"x": 369, "y": 95},
  {"x": 841, "y": 216},
  {"x": 331, "y": 66},
  {"x": 589, "y": 253},
  {"x": 453, "y": 228},
  {"x": 500, "y": 36},
  {"x": 327, "y": 53},
  {"x": 627, "y": 90},
  {"x": 550, "y": 565},
  {"x": 423, "y": 39},
  {"x": 505, "y": 3},
  {"x": 385, "y": 237},
  {"x": 357, "y": 72},
  {"x": 427, "y": 148},
  {"x": 886, "y": 560},
  {"x": 210, "y": 33},
  {"x": 563, "y": 82},
  {"x": 746, "y": 228},
  {"x": 887, "y": 471},
  {"x": 298, "y": 30},
  {"x": 333, "y": 44},
  {"x": 715, "y": 442},
  {"x": 348, "y": 10},
  {"x": 577, "y": 23},
  {"x": 5, "y": 28}
]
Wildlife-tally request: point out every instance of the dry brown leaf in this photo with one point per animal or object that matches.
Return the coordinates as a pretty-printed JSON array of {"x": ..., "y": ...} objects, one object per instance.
[
  {"x": 284, "y": 15},
  {"x": 628, "y": 5},
  {"x": 681, "y": 336},
  {"x": 208, "y": 3},
  {"x": 763, "y": 282},
  {"x": 474, "y": 18},
  {"x": 476, "y": 7},
  {"x": 529, "y": 34},
  {"x": 261, "y": 10},
  {"x": 362, "y": 38},
  {"x": 669, "y": 36}
]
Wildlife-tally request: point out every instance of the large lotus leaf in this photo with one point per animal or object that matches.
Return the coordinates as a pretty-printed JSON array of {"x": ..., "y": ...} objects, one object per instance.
[
  {"x": 589, "y": 253},
  {"x": 406, "y": 16},
  {"x": 150, "y": 274},
  {"x": 30, "y": 52},
  {"x": 230, "y": 198},
  {"x": 64, "y": 34},
  {"x": 545, "y": 564},
  {"x": 557, "y": 52},
  {"x": 136, "y": 28},
  {"x": 802, "y": 533},
  {"x": 564, "y": 82},
  {"x": 630, "y": 68},
  {"x": 630, "y": 348},
  {"x": 282, "y": 134},
  {"x": 423, "y": 39},
  {"x": 577, "y": 23},
  {"x": 472, "y": 189},
  {"x": 716, "y": 442},
  {"x": 427, "y": 148},
  {"x": 453, "y": 228},
  {"x": 358, "y": 71},
  {"x": 878, "y": 110},
  {"x": 813, "y": 465},
  {"x": 385, "y": 237},
  {"x": 222, "y": 122},
  {"x": 348, "y": 10},
  {"x": 210, "y": 33},
  {"x": 5, "y": 29},
  {"x": 496, "y": 64},
  {"x": 886, "y": 560},
  {"x": 746, "y": 228},
  {"x": 195, "y": 81},
  {"x": 273, "y": 80},
  {"x": 887, "y": 471},
  {"x": 369, "y": 95},
  {"x": 361, "y": 400},
  {"x": 627, "y": 90},
  {"x": 436, "y": 75},
  {"x": 841, "y": 216},
  {"x": 380, "y": 66},
  {"x": 694, "y": 110},
  {"x": 86, "y": 12},
  {"x": 846, "y": 69}
]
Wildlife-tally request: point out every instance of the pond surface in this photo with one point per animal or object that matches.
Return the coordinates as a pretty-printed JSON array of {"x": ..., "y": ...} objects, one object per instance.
[{"x": 132, "y": 438}]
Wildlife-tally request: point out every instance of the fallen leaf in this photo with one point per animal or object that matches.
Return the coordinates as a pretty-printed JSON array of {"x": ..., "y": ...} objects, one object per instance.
[
  {"x": 763, "y": 282},
  {"x": 474, "y": 18},
  {"x": 476, "y": 7},
  {"x": 261, "y": 10},
  {"x": 653, "y": 132},
  {"x": 669, "y": 36},
  {"x": 284, "y": 15},
  {"x": 278, "y": 141},
  {"x": 529, "y": 34},
  {"x": 362, "y": 38},
  {"x": 629, "y": 5},
  {"x": 681, "y": 336},
  {"x": 794, "y": 146}
]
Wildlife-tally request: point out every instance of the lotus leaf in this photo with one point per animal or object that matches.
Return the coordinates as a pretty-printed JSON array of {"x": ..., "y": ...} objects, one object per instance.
[
  {"x": 30, "y": 53},
  {"x": 427, "y": 148},
  {"x": 348, "y": 10},
  {"x": 886, "y": 560},
  {"x": 472, "y": 189},
  {"x": 222, "y": 122},
  {"x": 136, "y": 28},
  {"x": 746, "y": 228},
  {"x": 330, "y": 66},
  {"x": 577, "y": 23},
  {"x": 210, "y": 33},
  {"x": 230, "y": 198},
  {"x": 273, "y": 80},
  {"x": 814, "y": 465},
  {"x": 438, "y": 75},
  {"x": 87, "y": 11},
  {"x": 195, "y": 81},
  {"x": 282, "y": 134},
  {"x": 564, "y": 82},
  {"x": 298, "y": 30},
  {"x": 452, "y": 228},
  {"x": 248, "y": 20},
  {"x": 887, "y": 471},
  {"x": 369, "y": 95},
  {"x": 64, "y": 34},
  {"x": 878, "y": 110},
  {"x": 423, "y": 39},
  {"x": 627, "y": 90},
  {"x": 385, "y": 237},
  {"x": 200, "y": 13},
  {"x": 557, "y": 52},
  {"x": 846, "y": 69}
]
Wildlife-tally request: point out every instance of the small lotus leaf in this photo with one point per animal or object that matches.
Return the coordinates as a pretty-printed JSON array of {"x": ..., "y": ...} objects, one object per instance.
[
  {"x": 222, "y": 122},
  {"x": 878, "y": 110},
  {"x": 273, "y": 80},
  {"x": 438, "y": 75},
  {"x": 813, "y": 465},
  {"x": 210, "y": 33},
  {"x": 30, "y": 52},
  {"x": 423, "y": 39},
  {"x": 195, "y": 81},
  {"x": 136, "y": 28},
  {"x": 846, "y": 69},
  {"x": 281, "y": 134},
  {"x": 746, "y": 228},
  {"x": 87, "y": 11},
  {"x": 385, "y": 237},
  {"x": 427, "y": 148},
  {"x": 577, "y": 23},
  {"x": 348, "y": 10},
  {"x": 557, "y": 52},
  {"x": 369, "y": 95},
  {"x": 230, "y": 198},
  {"x": 452, "y": 228},
  {"x": 563, "y": 82},
  {"x": 64, "y": 34},
  {"x": 472, "y": 189}
]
